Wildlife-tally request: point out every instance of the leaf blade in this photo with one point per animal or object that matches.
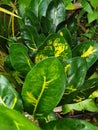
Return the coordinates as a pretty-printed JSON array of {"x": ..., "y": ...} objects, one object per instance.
[{"x": 48, "y": 84}]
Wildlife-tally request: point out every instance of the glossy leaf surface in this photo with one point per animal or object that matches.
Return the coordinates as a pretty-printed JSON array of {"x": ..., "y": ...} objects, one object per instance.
[
  {"x": 13, "y": 120},
  {"x": 88, "y": 87},
  {"x": 76, "y": 70},
  {"x": 8, "y": 96},
  {"x": 19, "y": 58},
  {"x": 56, "y": 12},
  {"x": 64, "y": 32},
  {"x": 44, "y": 86},
  {"x": 54, "y": 45},
  {"x": 23, "y": 5},
  {"x": 39, "y": 7},
  {"x": 69, "y": 124},
  {"x": 88, "y": 51},
  {"x": 86, "y": 105}
]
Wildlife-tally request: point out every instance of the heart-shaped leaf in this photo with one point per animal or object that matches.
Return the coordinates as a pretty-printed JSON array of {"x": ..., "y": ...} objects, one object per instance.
[
  {"x": 44, "y": 86},
  {"x": 8, "y": 96},
  {"x": 13, "y": 120}
]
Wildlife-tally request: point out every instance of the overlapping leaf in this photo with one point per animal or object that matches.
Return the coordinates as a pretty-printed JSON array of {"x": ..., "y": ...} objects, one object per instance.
[
  {"x": 69, "y": 124},
  {"x": 13, "y": 120},
  {"x": 76, "y": 70},
  {"x": 8, "y": 96},
  {"x": 54, "y": 45},
  {"x": 88, "y": 51},
  {"x": 86, "y": 105},
  {"x": 44, "y": 87},
  {"x": 81, "y": 94},
  {"x": 19, "y": 58},
  {"x": 56, "y": 12},
  {"x": 39, "y": 7},
  {"x": 64, "y": 32}
]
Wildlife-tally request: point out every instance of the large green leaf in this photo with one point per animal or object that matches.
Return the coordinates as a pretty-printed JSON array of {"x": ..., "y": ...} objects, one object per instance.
[
  {"x": 86, "y": 105},
  {"x": 76, "y": 69},
  {"x": 69, "y": 124},
  {"x": 29, "y": 31},
  {"x": 44, "y": 86},
  {"x": 39, "y": 7},
  {"x": 81, "y": 94},
  {"x": 30, "y": 36},
  {"x": 87, "y": 50},
  {"x": 56, "y": 12},
  {"x": 8, "y": 96},
  {"x": 54, "y": 45},
  {"x": 19, "y": 58},
  {"x": 13, "y": 120}
]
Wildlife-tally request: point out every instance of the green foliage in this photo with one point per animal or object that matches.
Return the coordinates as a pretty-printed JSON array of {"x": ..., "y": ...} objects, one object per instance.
[
  {"x": 20, "y": 61},
  {"x": 8, "y": 96},
  {"x": 54, "y": 45},
  {"x": 13, "y": 120},
  {"x": 69, "y": 124},
  {"x": 44, "y": 86},
  {"x": 88, "y": 51},
  {"x": 48, "y": 65},
  {"x": 86, "y": 105}
]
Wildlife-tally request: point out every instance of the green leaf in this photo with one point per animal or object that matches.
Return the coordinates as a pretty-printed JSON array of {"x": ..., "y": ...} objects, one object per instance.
[
  {"x": 39, "y": 7},
  {"x": 56, "y": 12},
  {"x": 8, "y": 96},
  {"x": 94, "y": 3},
  {"x": 81, "y": 94},
  {"x": 44, "y": 86},
  {"x": 30, "y": 36},
  {"x": 13, "y": 120},
  {"x": 86, "y": 6},
  {"x": 66, "y": 2},
  {"x": 54, "y": 45},
  {"x": 69, "y": 124},
  {"x": 30, "y": 19},
  {"x": 23, "y": 5},
  {"x": 86, "y": 105},
  {"x": 92, "y": 16},
  {"x": 87, "y": 50},
  {"x": 70, "y": 6},
  {"x": 47, "y": 26},
  {"x": 19, "y": 58},
  {"x": 64, "y": 32},
  {"x": 75, "y": 69}
]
